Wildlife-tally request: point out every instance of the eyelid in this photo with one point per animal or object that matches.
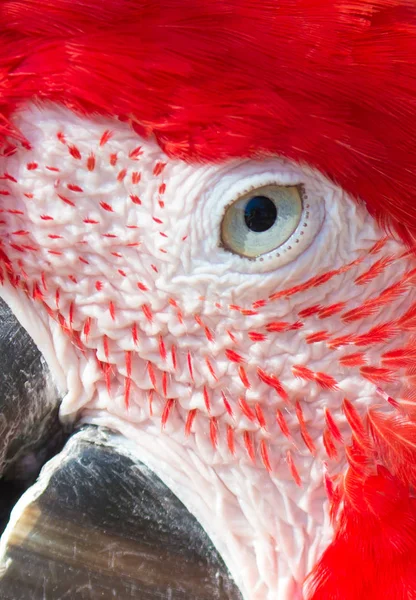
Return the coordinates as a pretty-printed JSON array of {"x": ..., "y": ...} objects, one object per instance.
[
  {"x": 231, "y": 184},
  {"x": 273, "y": 181}
]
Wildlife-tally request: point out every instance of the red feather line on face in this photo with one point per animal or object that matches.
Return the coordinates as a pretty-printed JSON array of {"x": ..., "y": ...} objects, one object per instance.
[
  {"x": 298, "y": 89},
  {"x": 387, "y": 439},
  {"x": 249, "y": 373}
]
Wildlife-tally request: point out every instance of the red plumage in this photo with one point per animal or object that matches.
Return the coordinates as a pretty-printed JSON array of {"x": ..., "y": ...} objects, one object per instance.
[
  {"x": 373, "y": 552},
  {"x": 395, "y": 440},
  {"x": 374, "y": 547},
  {"x": 326, "y": 82}
]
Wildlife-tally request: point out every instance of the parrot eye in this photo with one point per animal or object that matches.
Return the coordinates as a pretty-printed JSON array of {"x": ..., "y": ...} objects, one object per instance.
[{"x": 262, "y": 220}]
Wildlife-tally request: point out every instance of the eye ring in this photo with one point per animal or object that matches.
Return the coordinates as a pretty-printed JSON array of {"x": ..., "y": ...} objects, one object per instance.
[{"x": 262, "y": 220}]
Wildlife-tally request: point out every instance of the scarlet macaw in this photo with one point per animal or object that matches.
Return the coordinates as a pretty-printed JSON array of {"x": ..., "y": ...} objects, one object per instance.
[{"x": 207, "y": 227}]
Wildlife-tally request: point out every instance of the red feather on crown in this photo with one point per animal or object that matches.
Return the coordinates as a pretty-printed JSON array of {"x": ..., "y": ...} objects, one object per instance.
[{"x": 329, "y": 83}]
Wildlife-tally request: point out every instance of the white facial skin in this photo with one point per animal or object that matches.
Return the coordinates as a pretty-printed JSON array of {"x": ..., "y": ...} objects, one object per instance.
[{"x": 161, "y": 333}]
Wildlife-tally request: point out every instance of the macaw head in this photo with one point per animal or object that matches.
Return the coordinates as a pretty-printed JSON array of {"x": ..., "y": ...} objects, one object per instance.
[{"x": 207, "y": 226}]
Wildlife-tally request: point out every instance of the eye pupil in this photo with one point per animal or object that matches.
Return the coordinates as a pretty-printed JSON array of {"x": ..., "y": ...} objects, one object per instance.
[{"x": 260, "y": 214}]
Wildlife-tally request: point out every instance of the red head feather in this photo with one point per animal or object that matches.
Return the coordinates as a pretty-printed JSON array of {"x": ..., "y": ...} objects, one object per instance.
[{"x": 326, "y": 82}]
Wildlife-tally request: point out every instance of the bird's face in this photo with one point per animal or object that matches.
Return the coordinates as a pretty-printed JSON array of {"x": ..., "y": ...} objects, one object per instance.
[{"x": 234, "y": 320}]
